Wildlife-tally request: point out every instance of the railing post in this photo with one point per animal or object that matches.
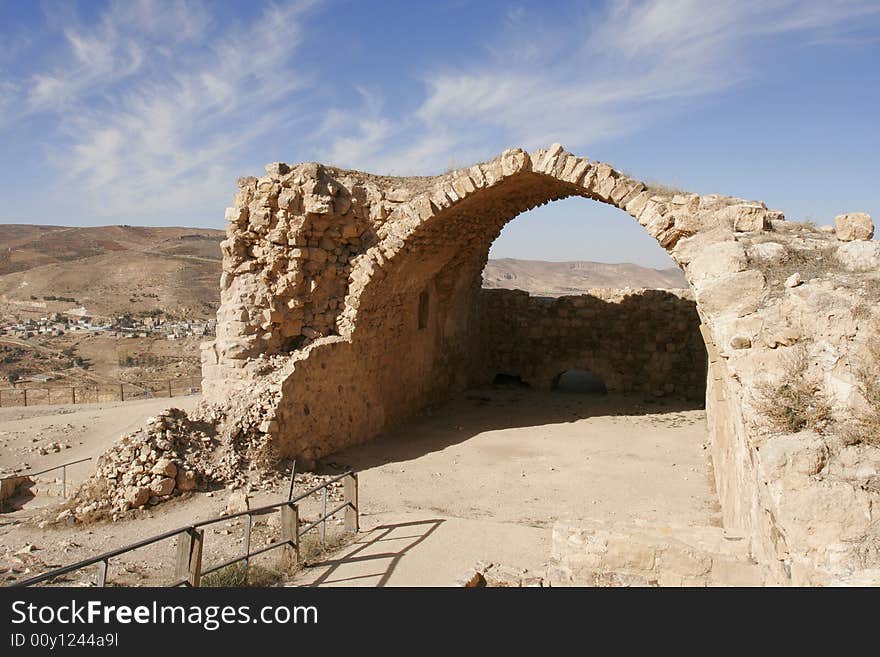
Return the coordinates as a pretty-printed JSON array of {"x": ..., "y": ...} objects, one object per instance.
[
  {"x": 169, "y": 388},
  {"x": 290, "y": 533},
  {"x": 64, "y": 481},
  {"x": 189, "y": 556},
  {"x": 352, "y": 523},
  {"x": 292, "y": 479},
  {"x": 73, "y": 394},
  {"x": 121, "y": 392},
  {"x": 24, "y": 390},
  {"x": 102, "y": 572},
  {"x": 323, "y": 515},
  {"x": 248, "y": 523}
]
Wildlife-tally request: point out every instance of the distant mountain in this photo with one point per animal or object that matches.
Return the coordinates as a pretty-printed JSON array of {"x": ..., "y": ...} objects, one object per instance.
[
  {"x": 555, "y": 279},
  {"x": 111, "y": 270}
]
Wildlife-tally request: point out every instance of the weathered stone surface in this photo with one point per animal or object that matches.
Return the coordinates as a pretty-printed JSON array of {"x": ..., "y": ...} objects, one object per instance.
[
  {"x": 164, "y": 467},
  {"x": 330, "y": 276},
  {"x": 237, "y": 502},
  {"x": 770, "y": 252},
  {"x": 658, "y": 329},
  {"x": 739, "y": 293},
  {"x": 853, "y": 226},
  {"x": 164, "y": 486},
  {"x": 860, "y": 256},
  {"x": 748, "y": 218}
]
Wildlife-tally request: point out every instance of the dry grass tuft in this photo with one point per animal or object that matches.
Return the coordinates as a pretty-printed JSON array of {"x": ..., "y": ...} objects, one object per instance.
[
  {"x": 661, "y": 188},
  {"x": 809, "y": 264},
  {"x": 865, "y": 428},
  {"x": 311, "y": 552},
  {"x": 237, "y": 575},
  {"x": 797, "y": 402}
]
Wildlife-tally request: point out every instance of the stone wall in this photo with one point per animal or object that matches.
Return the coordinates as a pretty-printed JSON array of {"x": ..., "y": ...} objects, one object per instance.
[
  {"x": 644, "y": 341},
  {"x": 350, "y": 301}
]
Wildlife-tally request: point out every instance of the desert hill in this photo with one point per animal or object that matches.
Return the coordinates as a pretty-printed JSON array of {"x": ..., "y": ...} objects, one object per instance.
[
  {"x": 560, "y": 278},
  {"x": 111, "y": 270}
]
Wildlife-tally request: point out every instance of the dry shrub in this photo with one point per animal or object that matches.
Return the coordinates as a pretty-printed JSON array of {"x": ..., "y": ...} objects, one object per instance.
[
  {"x": 797, "y": 402},
  {"x": 865, "y": 427},
  {"x": 809, "y": 264},
  {"x": 238, "y": 575},
  {"x": 661, "y": 188}
]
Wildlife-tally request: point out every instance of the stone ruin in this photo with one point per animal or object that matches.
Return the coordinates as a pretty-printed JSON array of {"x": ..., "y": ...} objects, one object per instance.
[{"x": 350, "y": 301}]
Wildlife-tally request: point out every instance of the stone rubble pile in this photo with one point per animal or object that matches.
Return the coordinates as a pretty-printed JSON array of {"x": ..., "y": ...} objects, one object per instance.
[{"x": 169, "y": 456}]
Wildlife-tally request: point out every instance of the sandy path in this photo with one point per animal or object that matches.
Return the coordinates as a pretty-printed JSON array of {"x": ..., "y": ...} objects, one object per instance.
[
  {"x": 83, "y": 430},
  {"x": 485, "y": 477},
  {"x": 482, "y": 477}
]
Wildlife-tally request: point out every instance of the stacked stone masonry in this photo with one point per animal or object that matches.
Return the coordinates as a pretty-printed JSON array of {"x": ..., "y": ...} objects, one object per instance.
[
  {"x": 645, "y": 341},
  {"x": 350, "y": 301}
]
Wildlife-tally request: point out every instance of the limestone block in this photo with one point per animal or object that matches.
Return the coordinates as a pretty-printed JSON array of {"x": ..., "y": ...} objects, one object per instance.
[
  {"x": 740, "y": 293},
  {"x": 748, "y": 218},
  {"x": 768, "y": 252},
  {"x": 606, "y": 180},
  {"x": 859, "y": 256},
  {"x": 514, "y": 160},
  {"x": 684, "y": 562},
  {"x": 137, "y": 495},
  {"x": 803, "y": 453},
  {"x": 314, "y": 204},
  {"x": 853, "y": 226},
  {"x": 628, "y": 553},
  {"x": 237, "y": 502},
  {"x": 164, "y": 467},
  {"x": 718, "y": 259},
  {"x": 732, "y": 572},
  {"x": 163, "y": 486}
]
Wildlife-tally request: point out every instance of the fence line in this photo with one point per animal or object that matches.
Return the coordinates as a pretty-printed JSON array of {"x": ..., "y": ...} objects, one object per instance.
[
  {"x": 84, "y": 394},
  {"x": 188, "y": 563}
]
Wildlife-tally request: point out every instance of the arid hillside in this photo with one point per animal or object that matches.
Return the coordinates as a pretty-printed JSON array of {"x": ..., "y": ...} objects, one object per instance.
[
  {"x": 561, "y": 278},
  {"x": 109, "y": 270},
  {"x": 112, "y": 270}
]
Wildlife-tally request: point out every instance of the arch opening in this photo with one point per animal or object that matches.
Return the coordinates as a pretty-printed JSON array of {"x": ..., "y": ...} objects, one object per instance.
[{"x": 579, "y": 381}]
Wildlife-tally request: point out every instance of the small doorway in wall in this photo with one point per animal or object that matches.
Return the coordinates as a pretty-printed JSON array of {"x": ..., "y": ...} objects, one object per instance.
[
  {"x": 504, "y": 380},
  {"x": 579, "y": 381}
]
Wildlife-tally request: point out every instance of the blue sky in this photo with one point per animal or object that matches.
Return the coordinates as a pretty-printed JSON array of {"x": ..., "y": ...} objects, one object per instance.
[{"x": 145, "y": 112}]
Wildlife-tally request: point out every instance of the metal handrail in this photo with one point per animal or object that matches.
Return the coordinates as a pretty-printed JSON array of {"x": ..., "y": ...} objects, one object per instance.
[
  {"x": 34, "y": 474},
  {"x": 106, "y": 556}
]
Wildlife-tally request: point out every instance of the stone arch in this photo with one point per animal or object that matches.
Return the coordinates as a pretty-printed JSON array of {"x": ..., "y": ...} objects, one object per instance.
[
  {"x": 326, "y": 273},
  {"x": 380, "y": 245}
]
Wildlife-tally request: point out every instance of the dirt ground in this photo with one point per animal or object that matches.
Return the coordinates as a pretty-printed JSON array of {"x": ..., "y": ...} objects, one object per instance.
[
  {"x": 480, "y": 478},
  {"x": 484, "y": 477}
]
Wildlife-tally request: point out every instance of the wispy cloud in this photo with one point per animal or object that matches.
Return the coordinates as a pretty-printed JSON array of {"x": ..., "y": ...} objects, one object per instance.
[
  {"x": 149, "y": 109},
  {"x": 151, "y": 115},
  {"x": 595, "y": 76}
]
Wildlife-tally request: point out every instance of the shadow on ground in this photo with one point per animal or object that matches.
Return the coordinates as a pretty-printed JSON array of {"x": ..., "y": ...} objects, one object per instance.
[
  {"x": 374, "y": 556},
  {"x": 489, "y": 409}
]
